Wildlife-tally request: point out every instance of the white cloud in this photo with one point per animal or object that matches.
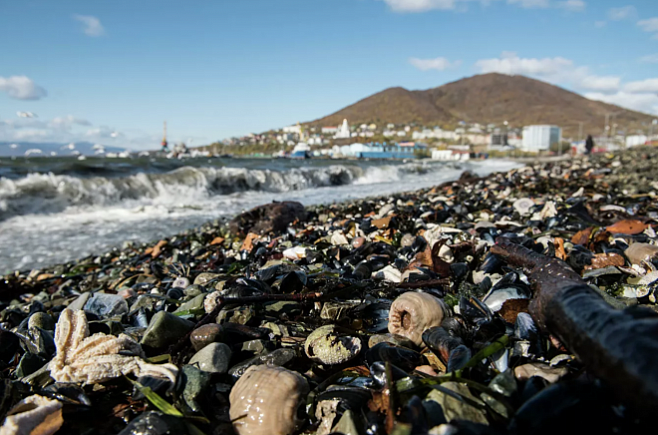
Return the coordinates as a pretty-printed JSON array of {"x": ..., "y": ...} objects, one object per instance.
[
  {"x": 623, "y": 13},
  {"x": 572, "y": 5},
  {"x": 599, "y": 83},
  {"x": 650, "y": 25},
  {"x": 511, "y": 63},
  {"x": 91, "y": 25},
  {"x": 600, "y": 24},
  {"x": 647, "y": 103},
  {"x": 21, "y": 88},
  {"x": 638, "y": 87},
  {"x": 650, "y": 58},
  {"x": 439, "y": 64},
  {"x": 530, "y": 4},
  {"x": 420, "y": 5},
  {"x": 461, "y": 5},
  {"x": 557, "y": 70},
  {"x": 68, "y": 122}
]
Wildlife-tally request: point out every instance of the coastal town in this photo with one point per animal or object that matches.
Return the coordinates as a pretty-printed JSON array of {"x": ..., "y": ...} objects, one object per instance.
[{"x": 466, "y": 141}]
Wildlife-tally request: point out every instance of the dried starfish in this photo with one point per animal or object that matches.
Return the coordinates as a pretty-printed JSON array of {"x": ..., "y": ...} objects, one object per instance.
[
  {"x": 33, "y": 415},
  {"x": 97, "y": 358}
]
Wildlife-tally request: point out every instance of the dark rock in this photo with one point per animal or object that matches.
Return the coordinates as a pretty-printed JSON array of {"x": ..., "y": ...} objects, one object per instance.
[
  {"x": 165, "y": 329},
  {"x": 274, "y": 217},
  {"x": 206, "y": 334}
]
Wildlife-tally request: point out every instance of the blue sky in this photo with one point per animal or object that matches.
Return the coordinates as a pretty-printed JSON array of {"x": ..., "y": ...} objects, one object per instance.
[{"x": 111, "y": 72}]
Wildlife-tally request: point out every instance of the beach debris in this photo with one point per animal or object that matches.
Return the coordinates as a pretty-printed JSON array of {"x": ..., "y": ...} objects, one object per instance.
[
  {"x": 326, "y": 346},
  {"x": 265, "y": 401},
  {"x": 567, "y": 307},
  {"x": 412, "y": 313},
  {"x": 34, "y": 415},
  {"x": 502, "y": 304},
  {"x": 99, "y": 357}
]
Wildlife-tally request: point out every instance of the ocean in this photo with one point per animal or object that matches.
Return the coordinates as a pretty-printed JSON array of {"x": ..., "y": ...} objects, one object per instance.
[{"x": 54, "y": 210}]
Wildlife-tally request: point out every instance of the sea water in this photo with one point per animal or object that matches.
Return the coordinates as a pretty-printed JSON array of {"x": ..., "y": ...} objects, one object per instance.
[{"x": 61, "y": 209}]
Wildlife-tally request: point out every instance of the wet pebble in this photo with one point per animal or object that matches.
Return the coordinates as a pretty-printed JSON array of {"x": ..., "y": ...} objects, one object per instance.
[
  {"x": 213, "y": 358},
  {"x": 206, "y": 334},
  {"x": 165, "y": 329}
]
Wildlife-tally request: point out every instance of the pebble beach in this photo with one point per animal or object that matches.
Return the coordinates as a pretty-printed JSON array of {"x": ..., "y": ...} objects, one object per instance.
[{"x": 510, "y": 303}]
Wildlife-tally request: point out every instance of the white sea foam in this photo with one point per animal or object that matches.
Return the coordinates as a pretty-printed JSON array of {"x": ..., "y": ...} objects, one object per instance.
[{"x": 53, "y": 218}]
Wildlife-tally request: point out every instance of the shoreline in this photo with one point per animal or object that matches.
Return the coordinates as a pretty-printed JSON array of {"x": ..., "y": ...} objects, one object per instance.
[
  {"x": 255, "y": 293},
  {"x": 55, "y": 219}
]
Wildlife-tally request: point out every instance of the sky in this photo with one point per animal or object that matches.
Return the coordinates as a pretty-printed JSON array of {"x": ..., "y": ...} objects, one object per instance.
[{"x": 112, "y": 72}]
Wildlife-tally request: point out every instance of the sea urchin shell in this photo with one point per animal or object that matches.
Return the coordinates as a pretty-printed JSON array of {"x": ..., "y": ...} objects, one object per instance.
[
  {"x": 265, "y": 400},
  {"x": 413, "y": 312},
  {"x": 326, "y": 346}
]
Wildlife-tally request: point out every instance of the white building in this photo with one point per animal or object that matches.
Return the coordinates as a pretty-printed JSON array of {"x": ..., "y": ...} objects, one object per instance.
[
  {"x": 451, "y": 155},
  {"x": 343, "y": 131},
  {"x": 635, "y": 140},
  {"x": 329, "y": 130},
  {"x": 296, "y": 129},
  {"x": 540, "y": 137}
]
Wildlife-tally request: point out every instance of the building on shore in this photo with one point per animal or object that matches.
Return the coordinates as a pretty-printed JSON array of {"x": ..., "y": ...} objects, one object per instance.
[
  {"x": 540, "y": 137},
  {"x": 451, "y": 155},
  {"x": 343, "y": 131},
  {"x": 635, "y": 140},
  {"x": 329, "y": 130},
  {"x": 403, "y": 150}
]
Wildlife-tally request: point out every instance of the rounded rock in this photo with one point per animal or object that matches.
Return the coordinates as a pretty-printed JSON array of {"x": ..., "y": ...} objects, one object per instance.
[
  {"x": 41, "y": 320},
  {"x": 165, "y": 329},
  {"x": 213, "y": 358},
  {"x": 205, "y": 335}
]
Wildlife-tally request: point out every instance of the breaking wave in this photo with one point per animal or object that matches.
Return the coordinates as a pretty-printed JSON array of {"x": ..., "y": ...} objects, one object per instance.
[{"x": 50, "y": 193}]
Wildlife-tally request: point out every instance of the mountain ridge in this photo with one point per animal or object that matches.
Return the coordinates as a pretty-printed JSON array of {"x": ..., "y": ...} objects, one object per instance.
[{"x": 488, "y": 98}]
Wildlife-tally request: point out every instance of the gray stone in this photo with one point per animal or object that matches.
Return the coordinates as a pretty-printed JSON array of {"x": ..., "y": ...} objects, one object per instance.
[
  {"x": 214, "y": 358},
  {"x": 456, "y": 409},
  {"x": 193, "y": 290},
  {"x": 196, "y": 303},
  {"x": 165, "y": 329},
  {"x": 240, "y": 315},
  {"x": 41, "y": 320},
  {"x": 80, "y": 302},
  {"x": 257, "y": 347},
  {"x": 195, "y": 381},
  {"x": 106, "y": 305},
  {"x": 205, "y": 277}
]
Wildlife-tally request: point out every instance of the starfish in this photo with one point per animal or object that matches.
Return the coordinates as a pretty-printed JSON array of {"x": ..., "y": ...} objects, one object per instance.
[{"x": 99, "y": 357}]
